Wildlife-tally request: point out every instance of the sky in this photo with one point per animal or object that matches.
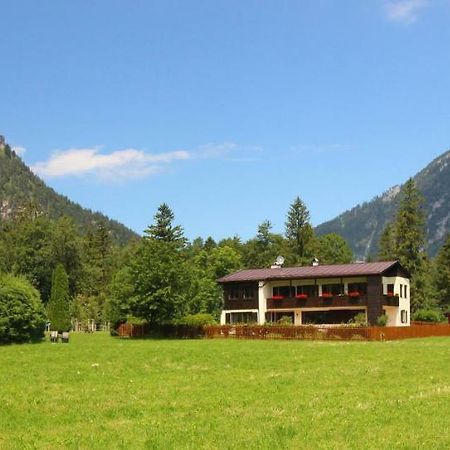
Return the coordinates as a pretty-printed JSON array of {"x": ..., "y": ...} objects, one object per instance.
[{"x": 225, "y": 110}]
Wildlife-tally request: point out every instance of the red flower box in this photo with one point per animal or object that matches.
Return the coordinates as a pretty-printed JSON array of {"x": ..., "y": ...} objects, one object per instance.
[
  {"x": 390, "y": 294},
  {"x": 302, "y": 296},
  {"x": 353, "y": 294},
  {"x": 277, "y": 297},
  {"x": 327, "y": 294}
]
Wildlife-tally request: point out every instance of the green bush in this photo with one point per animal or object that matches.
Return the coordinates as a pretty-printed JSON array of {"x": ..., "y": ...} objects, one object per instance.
[
  {"x": 132, "y": 320},
  {"x": 285, "y": 320},
  {"x": 382, "y": 320},
  {"x": 359, "y": 320},
  {"x": 196, "y": 320},
  {"x": 428, "y": 315},
  {"x": 22, "y": 315}
]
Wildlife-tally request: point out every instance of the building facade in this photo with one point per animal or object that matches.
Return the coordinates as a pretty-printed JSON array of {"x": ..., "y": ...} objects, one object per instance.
[{"x": 318, "y": 294}]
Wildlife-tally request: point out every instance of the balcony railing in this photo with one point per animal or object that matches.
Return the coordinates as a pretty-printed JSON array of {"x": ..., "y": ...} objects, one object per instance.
[
  {"x": 390, "y": 300},
  {"x": 316, "y": 302}
]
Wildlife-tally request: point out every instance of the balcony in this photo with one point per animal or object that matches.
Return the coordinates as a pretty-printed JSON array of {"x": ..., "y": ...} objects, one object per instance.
[
  {"x": 390, "y": 300},
  {"x": 316, "y": 302}
]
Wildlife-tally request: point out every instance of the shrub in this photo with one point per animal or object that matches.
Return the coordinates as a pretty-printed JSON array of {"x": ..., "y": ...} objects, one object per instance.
[
  {"x": 133, "y": 320},
  {"x": 196, "y": 320},
  {"x": 428, "y": 315},
  {"x": 58, "y": 308},
  {"x": 285, "y": 320},
  {"x": 359, "y": 320},
  {"x": 382, "y": 320},
  {"x": 22, "y": 315}
]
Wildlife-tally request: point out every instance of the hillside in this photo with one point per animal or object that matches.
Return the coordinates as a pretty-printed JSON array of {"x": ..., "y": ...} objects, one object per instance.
[
  {"x": 20, "y": 187},
  {"x": 362, "y": 225}
]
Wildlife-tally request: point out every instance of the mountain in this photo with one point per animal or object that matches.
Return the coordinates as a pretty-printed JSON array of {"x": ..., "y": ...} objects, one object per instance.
[
  {"x": 362, "y": 225},
  {"x": 20, "y": 188}
]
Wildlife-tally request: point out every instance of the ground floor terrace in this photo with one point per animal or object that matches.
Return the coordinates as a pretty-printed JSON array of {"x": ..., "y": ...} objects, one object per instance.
[{"x": 320, "y": 316}]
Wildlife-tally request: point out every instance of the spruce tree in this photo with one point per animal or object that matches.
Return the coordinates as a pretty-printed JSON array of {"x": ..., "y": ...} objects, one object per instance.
[
  {"x": 163, "y": 229},
  {"x": 409, "y": 231},
  {"x": 387, "y": 245},
  {"x": 442, "y": 275},
  {"x": 58, "y": 309},
  {"x": 298, "y": 231},
  {"x": 410, "y": 228}
]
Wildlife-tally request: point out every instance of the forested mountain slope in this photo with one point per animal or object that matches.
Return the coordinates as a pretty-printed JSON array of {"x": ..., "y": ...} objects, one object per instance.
[
  {"x": 362, "y": 225},
  {"x": 20, "y": 189}
]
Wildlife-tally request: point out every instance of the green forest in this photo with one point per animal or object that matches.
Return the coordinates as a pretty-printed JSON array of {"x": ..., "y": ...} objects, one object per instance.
[{"x": 86, "y": 270}]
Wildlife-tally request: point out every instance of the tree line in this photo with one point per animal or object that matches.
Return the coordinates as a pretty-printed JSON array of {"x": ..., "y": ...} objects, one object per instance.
[
  {"x": 165, "y": 277},
  {"x": 404, "y": 240}
]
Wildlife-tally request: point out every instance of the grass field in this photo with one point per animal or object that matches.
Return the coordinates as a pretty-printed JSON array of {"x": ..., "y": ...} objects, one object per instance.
[{"x": 103, "y": 392}]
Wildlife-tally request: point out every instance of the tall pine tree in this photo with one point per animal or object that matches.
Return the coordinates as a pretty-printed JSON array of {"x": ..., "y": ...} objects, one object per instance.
[
  {"x": 387, "y": 248},
  {"x": 410, "y": 228},
  {"x": 163, "y": 229},
  {"x": 404, "y": 240},
  {"x": 442, "y": 275},
  {"x": 299, "y": 232}
]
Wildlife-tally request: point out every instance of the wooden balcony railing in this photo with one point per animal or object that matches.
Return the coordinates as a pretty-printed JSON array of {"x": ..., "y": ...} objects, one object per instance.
[{"x": 316, "y": 302}]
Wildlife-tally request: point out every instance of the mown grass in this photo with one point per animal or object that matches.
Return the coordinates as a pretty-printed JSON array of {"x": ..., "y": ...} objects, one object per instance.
[{"x": 103, "y": 392}]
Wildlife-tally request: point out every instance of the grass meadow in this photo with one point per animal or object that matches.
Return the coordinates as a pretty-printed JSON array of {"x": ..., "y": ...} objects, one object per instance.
[{"x": 104, "y": 392}]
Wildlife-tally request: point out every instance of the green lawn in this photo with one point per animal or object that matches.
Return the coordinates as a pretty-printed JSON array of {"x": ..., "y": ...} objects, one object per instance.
[{"x": 103, "y": 392}]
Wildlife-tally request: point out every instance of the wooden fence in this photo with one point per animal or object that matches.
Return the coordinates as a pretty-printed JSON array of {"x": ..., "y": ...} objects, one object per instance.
[
  {"x": 325, "y": 332},
  {"x": 130, "y": 330},
  {"x": 286, "y": 332},
  {"x": 127, "y": 330}
]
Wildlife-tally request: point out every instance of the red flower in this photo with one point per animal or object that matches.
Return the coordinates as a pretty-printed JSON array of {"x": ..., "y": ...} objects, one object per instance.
[
  {"x": 327, "y": 294},
  {"x": 277, "y": 297},
  {"x": 390, "y": 294},
  {"x": 353, "y": 294},
  {"x": 302, "y": 296}
]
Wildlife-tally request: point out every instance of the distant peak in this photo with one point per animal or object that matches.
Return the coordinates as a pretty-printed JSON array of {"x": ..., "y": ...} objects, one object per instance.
[{"x": 390, "y": 194}]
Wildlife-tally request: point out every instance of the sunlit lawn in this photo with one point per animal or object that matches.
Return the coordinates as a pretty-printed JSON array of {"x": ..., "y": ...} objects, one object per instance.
[{"x": 103, "y": 392}]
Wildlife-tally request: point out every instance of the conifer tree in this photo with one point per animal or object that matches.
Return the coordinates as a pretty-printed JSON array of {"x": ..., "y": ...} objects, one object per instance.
[
  {"x": 387, "y": 246},
  {"x": 298, "y": 231},
  {"x": 58, "y": 309},
  {"x": 410, "y": 228},
  {"x": 442, "y": 274},
  {"x": 162, "y": 229},
  {"x": 404, "y": 240}
]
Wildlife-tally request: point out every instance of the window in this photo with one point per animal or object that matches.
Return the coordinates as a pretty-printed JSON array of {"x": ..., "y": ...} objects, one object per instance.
[
  {"x": 249, "y": 293},
  {"x": 390, "y": 290},
  {"x": 405, "y": 291},
  {"x": 233, "y": 293},
  {"x": 404, "y": 316},
  {"x": 333, "y": 289},
  {"x": 283, "y": 291},
  {"x": 360, "y": 288},
  {"x": 309, "y": 290},
  {"x": 275, "y": 316},
  {"x": 401, "y": 291},
  {"x": 330, "y": 316},
  {"x": 241, "y": 317}
]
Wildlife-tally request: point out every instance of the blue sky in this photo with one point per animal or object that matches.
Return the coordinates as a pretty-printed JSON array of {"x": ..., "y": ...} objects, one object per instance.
[{"x": 226, "y": 110}]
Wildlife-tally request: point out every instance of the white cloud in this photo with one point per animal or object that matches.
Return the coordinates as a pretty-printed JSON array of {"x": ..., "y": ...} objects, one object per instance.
[
  {"x": 121, "y": 164},
  {"x": 131, "y": 163},
  {"x": 404, "y": 11},
  {"x": 19, "y": 150}
]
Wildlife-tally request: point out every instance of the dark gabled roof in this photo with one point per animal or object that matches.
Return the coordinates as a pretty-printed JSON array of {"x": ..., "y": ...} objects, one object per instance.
[{"x": 320, "y": 271}]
